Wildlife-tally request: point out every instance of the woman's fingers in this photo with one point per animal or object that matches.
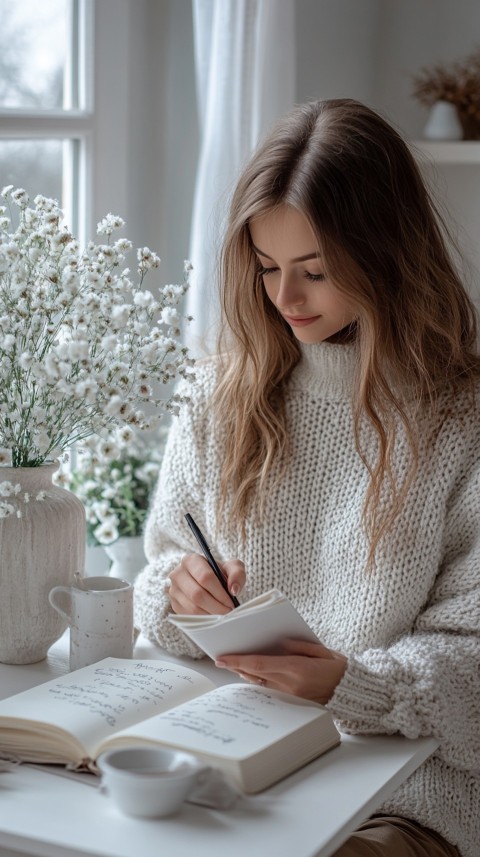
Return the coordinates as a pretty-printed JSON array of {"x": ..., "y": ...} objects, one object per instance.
[
  {"x": 194, "y": 588},
  {"x": 310, "y": 650},
  {"x": 234, "y": 571},
  {"x": 313, "y": 673}
]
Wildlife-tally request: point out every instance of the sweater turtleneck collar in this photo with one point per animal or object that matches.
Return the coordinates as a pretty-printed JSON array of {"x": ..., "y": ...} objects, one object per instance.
[{"x": 326, "y": 368}]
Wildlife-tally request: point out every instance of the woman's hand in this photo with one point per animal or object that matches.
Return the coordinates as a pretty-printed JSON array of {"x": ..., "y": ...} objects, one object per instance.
[
  {"x": 195, "y": 589},
  {"x": 309, "y": 670}
]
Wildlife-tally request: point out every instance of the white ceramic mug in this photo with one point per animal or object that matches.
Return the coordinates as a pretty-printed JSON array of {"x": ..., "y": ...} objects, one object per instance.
[
  {"x": 99, "y": 611},
  {"x": 150, "y": 782}
]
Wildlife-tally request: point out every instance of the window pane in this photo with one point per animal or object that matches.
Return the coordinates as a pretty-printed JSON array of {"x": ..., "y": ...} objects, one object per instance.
[
  {"x": 36, "y": 165},
  {"x": 34, "y": 53}
]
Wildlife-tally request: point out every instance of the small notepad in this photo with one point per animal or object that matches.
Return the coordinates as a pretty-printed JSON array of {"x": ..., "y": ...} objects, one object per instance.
[{"x": 260, "y": 625}]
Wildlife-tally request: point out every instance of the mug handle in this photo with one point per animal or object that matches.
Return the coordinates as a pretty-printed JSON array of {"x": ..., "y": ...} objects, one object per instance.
[{"x": 52, "y": 595}]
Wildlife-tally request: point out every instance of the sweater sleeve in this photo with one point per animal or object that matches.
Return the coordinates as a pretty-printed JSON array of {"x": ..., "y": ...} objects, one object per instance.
[
  {"x": 167, "y": 536},
  {"x": 427, "y": 683}
]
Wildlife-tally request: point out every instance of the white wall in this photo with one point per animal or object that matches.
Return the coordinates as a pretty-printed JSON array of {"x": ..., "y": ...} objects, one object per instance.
[
  {"x": 370, "y": 49},
  {"x": 413, "y": 34},
  {"x": 130, "y": 103},
  {"x": 365, "y": 49},
  {"x": 146, "y": 118},
  {"x": 336, "y": 44},
  {"x": 181, "y": 129}
]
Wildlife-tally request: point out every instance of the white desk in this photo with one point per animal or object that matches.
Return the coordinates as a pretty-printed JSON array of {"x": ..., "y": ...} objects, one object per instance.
[{"x": 309, "y": 813}]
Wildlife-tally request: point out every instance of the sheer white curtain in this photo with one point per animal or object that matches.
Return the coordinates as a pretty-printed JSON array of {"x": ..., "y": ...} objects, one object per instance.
[{"x": 245, "y": 74}]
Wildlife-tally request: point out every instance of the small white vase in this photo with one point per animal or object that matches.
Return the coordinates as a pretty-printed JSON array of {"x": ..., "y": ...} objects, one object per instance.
[
  {"x": 443, "y": 122},
  {"x": 127, "y": 557},
  {"x": 42, "y": 549}
]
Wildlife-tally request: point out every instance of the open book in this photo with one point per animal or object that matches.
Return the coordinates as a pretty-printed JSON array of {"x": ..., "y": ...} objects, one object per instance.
[
  {"x": 254, "y": 735},
  {"x": 258, "y": 626}
]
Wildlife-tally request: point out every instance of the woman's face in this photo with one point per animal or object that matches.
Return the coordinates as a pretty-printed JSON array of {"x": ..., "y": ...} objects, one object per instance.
[{"x": 294, "y": 276}]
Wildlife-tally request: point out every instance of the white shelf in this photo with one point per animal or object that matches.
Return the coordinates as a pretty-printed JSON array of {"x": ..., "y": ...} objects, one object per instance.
[{"x": 463, "y": 152}]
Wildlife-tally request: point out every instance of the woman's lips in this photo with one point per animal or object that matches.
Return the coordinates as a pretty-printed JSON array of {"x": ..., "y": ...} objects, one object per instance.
[{"x": 300, "y": 322}]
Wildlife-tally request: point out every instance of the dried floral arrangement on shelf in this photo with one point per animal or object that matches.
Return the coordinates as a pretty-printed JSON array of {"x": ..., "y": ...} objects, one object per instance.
[{"x": 457, "y": 83}]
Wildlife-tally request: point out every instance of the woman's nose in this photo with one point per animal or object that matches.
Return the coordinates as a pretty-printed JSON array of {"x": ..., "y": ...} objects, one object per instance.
[{"x": 290, "y": 292}]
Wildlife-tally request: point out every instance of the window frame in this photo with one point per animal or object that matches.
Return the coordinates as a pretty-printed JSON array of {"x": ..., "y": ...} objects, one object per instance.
[{"x": 74, "y": 126}]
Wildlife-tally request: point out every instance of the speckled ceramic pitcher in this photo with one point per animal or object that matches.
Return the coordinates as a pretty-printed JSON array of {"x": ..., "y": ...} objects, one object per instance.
[{"x": 99, "y": 611}]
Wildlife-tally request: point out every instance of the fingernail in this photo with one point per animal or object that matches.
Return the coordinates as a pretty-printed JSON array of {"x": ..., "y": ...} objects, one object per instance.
[
  {"x": 235, "y": 589},
  {"x": 220, "y": 664}
]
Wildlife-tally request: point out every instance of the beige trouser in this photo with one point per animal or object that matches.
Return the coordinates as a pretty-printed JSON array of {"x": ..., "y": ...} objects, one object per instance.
[{"x": 389, "y": 836}]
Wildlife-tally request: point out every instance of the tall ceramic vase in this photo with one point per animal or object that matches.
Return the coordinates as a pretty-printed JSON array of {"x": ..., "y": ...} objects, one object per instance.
[{"x": 42, "y": 548}]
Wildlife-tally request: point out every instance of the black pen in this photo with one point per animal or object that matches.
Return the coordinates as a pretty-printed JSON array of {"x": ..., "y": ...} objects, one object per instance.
[{"x": 208, "y": 556}]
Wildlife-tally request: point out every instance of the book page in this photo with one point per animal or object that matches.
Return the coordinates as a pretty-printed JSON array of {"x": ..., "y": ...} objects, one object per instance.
[
  {"x": 107, "y": 696},
  {"x": 258, "y": 626},
  {"x": 232, "y": 721}
]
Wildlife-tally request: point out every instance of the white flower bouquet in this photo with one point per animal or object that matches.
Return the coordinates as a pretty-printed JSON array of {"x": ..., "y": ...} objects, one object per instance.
[
  {"x": 83, "y": 349},
  {"x": 115, "y": 485}
]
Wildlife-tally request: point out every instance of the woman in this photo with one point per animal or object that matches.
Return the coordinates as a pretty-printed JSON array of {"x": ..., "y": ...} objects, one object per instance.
[{"x": 332, "y": 450}]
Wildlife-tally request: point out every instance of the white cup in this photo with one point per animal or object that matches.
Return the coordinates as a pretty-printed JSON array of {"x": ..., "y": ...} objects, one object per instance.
[
  {"x": 149, "y": 782},
  {"x": 99, "y": 611}
]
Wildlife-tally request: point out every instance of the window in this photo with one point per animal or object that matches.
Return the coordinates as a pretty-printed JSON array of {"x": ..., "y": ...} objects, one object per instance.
[
  {"x": 89, "y": 114},
  {"x": 46, "y": 105}
]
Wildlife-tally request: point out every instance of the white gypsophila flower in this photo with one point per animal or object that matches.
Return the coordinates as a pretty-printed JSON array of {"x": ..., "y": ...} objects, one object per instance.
[
  {"x": 9, "y": 342},
  {"x": 107, "y": 449},
  {"x": 81, "y": 344},
  {"x": 90, "y": 515},
  {"x": 20, "y": 197},
  {"x": 147, "y": 259},
  {"x": 144, "y": 390},
  {"x": 141, "y": 328},
  {"x": 61, "y": 479},
  {"x": 90, "y": 485},
  {"x": 114, "y": 406},
  {"x": 108, "y": 493},
  {"x": 107, "y": 532},
  {"x": 121, "y": 315},
  {"x": 169, "y": 315},
  {"x": 124, "y": 435},
  {"x": 86, "y": 390},
  {"x": 143, "y": 299},
  {"x": 25, "y": 361},
  {"x": 102, "y": 510},
  {"x": 110, "y": 342},
  {"x": 109, "y": 223},
  {"x": 122, "y": 245},
  {"x": 78, "y": 349},
  {"x": 43, "y": 440}
]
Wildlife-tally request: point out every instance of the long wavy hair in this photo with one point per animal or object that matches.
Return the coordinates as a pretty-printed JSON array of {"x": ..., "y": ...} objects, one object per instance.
[{"x": 385, "y": 245}]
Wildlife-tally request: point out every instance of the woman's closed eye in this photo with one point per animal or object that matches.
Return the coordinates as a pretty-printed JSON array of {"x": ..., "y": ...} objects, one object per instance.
[
  {"x": 314, "y": 278},
  {"x": 265, "y": 271}
]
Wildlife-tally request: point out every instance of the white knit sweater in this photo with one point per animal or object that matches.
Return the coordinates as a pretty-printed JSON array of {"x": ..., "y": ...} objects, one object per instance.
[{"x": 410, "y": 627}]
